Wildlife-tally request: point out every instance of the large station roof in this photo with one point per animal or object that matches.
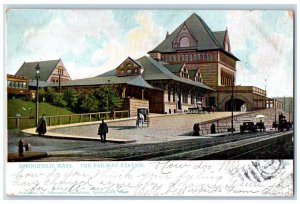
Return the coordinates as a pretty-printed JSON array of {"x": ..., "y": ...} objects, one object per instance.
[
  {"x": 153, "y": 70},
  {"x": 107, "y": 79},
  {"x": 206, "y": 38}
]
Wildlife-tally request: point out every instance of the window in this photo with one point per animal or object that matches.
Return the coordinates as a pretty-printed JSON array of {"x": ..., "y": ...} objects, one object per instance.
[
  {"x": 187, "y": 58},
  {"x": 136, "y": 71},
  {"x": 169, "y": 96},
  {"x": 195, "y": 57},
  {"x": 192, "y": 99},
  {"x": 182, "y": 56},
  {"x": 199, "y": 57},
  {"x": 174, "y": 97},
  {"x": 206, "y": 56},
  {"x": 129, "y": 65},
  {"x": 174, "y": 57},
  {"x": 128, "y": 71},
  {"x": 178, "y": 57},
  {"x": 203, "y": 57},
  {"x": 184, "y": 42},
  {"x": 122, "y": 72},
  {"x": 185, "y": 98},
  {"x": 25, "y": 85},
  {"x": 170, "y": 58},
  {"x": 8, "y": 83}
]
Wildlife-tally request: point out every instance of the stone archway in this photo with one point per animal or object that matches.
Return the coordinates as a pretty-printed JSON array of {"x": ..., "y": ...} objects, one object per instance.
[{"x": 238, "y": 102}]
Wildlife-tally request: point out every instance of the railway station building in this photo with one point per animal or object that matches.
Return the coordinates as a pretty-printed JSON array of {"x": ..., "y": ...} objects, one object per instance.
[
  {"x": 194, "y": 45},
  {"x": 193, "y": 65}
]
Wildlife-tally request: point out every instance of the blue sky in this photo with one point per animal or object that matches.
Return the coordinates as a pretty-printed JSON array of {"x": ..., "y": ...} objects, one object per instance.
[{"x": 91, "y": 42}]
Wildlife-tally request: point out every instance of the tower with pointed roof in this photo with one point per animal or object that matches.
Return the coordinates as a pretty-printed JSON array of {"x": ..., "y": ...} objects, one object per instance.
[{"x": 194, "y": 44}]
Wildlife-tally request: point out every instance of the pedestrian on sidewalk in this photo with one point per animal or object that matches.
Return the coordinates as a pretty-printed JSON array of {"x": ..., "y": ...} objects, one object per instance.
[
  {"x": 141, "y": 120},
  {"x": 102, "y": 131},
  {"x": 41, "y": 127}
]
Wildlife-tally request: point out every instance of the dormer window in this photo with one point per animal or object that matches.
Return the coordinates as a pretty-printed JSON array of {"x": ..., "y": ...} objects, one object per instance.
[
  {"x": 184, "y": 42},
  {"x": 136, "y": 71},
  {"x": 128, "y": 72}
]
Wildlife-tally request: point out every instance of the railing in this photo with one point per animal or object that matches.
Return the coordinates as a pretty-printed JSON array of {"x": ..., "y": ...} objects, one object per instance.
[
  {"x": 27, "y": 122},
  {"x": 20, "y": 122}
]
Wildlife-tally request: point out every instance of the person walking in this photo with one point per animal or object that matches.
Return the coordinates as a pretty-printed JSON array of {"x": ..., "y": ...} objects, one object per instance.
[
  {"x": 102, "y": 131},
  {"x": 41, "y": 127},
  {"x": 141, "y": 119}
]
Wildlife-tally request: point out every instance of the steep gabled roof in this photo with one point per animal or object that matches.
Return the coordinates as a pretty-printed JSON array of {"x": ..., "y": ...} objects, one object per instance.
[
  {"x": 206, "y": 38},
  {"x": 46, "y": 68},
  {"x": 219, "y": 35},
  {"x": 154, "y": 70},
  {"x": 174, "y": 68}
]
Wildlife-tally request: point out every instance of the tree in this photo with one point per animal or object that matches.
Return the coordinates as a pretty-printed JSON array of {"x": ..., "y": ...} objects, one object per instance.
[
  {"x": 88, "y": 103},
  {"x": 108, "y": 98},
  {"x": 50, "y": 95},
  {"x": 71, "y": 98}
]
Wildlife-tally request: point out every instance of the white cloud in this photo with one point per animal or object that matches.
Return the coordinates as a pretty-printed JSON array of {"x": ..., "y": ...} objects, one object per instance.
[
  {"x": 137, "y": 43},
  {"x": 79, "y": 72},
  {"x": 68, "y": 35},
  {"x": 269, "y": 52}
]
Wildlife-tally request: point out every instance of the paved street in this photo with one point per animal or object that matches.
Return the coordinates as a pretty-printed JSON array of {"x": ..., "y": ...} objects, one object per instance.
[
  {"x": 167, "y": 135},
  {"x": 163, "y": 128}
]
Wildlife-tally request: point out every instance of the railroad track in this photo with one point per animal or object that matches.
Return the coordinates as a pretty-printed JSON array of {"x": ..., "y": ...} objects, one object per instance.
[
  {"x": 164, "y": 150},
  {"x": 228, "y": 150}
]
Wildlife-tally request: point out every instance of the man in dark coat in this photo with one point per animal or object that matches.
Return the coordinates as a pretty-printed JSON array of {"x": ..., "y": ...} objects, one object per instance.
[
  {"x": 41, "y": 127},
  {"x": 102, "y": 130}
]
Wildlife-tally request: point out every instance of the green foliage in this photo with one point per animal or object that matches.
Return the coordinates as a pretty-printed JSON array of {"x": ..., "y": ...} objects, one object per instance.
[
  {"x": 42, "y": 95},
  {"x": 50, "y": 95},
  {"x": 108, "y": 98},
  {"x": 71, "y": 98},
  {"x": 89, "y": 103},
  {"x": 58, "y": 100}
]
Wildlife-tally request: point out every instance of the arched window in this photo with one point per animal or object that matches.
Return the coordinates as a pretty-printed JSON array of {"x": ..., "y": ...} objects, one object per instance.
[
  {"x": 129, "y": 65},
  {"x": 184, "y": 42},
  {"x": 128, "y": 71}
]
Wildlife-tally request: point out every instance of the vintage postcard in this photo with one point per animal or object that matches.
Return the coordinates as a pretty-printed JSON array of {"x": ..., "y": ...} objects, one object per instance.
[{"x": 132, "y": 102}]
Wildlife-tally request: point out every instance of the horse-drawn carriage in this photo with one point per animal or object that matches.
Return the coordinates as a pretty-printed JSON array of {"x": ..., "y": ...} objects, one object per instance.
[{"x": 283, "y": 124}]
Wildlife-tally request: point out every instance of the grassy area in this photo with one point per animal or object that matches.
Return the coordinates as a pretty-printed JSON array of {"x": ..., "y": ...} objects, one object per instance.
[{"x": 27, "y": 109}]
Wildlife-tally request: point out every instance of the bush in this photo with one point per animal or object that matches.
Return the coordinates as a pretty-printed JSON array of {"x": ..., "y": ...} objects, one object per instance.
[
  {"x": 108, "y": 98},
  {"x": 89, "y": 103},
  {"x": 71, "y": 98},
  {"x": 58, "y": 100}
]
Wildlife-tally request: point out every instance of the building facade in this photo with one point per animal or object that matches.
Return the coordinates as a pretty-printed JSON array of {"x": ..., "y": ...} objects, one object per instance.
[
  {"x": 50, "y": 71},
  {"x": 194, "y": 45}
]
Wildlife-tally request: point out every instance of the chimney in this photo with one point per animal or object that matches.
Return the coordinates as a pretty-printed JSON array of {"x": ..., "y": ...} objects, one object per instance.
[{"x": 167, "y": 35}]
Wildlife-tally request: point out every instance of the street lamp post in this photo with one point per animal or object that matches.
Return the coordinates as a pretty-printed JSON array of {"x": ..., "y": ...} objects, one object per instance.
[
  {"x": 232, "y": 108},
  {"x": 37, "y": 76},
  {"x": 265, "y": 93}
]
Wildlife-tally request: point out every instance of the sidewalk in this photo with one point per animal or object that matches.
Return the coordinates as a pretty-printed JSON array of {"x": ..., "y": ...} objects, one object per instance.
[
  {"x": 162, "y": 128},
  {"x": 15, "y": 157}
]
